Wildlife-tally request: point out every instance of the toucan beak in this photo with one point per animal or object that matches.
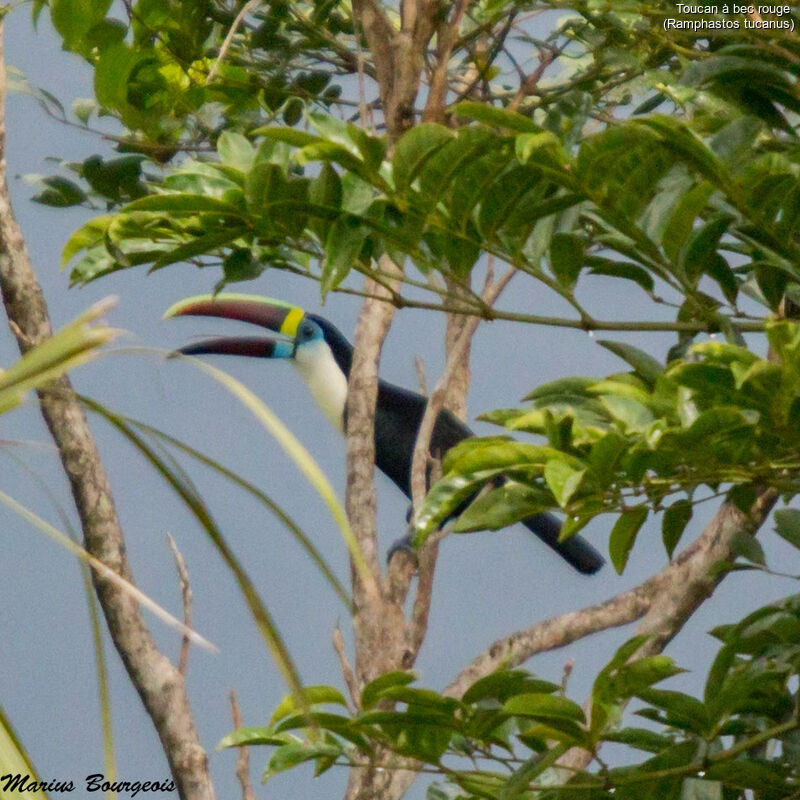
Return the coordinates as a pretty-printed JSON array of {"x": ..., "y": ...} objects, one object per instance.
[{"x": 265, "y": 312}]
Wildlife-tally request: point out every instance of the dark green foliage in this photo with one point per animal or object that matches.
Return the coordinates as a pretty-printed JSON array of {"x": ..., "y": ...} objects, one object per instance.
[
  {"x": 720, "y": 417},
  {"x": 520, "y": 725}
]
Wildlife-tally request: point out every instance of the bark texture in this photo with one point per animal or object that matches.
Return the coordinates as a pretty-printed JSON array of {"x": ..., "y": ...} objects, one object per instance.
[{"x": 158, "y": 682}]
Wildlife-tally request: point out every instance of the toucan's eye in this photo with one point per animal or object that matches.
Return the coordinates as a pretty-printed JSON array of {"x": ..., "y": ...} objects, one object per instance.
[{"x": 306, "y": 331}]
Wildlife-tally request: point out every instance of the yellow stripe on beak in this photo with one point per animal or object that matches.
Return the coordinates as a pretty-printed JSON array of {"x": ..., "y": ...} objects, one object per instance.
[{"x": 293, "y": 318}]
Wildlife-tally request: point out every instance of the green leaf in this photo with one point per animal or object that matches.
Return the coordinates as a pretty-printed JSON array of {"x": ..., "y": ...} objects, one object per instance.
[
  {"x": 681, "y": 222},
  {"x": 605, "y": 456},
  {"x": 787, "y": 525},
  {"x": 368, "y": 149},
  {"x": 519, "y": 782},
  {"x": 264, "y": 184},
  {"x": 747, "y": 546},
  {"x": 499, "y": 118},
  {"x": 503, "y": 684},
  {"x": 201, "y": 246},
  {"x": 15, "y": 761},
  {"x": 112, "y": 74},
  {"x": 87, "y": 235},
  {"x": 183, "y": 203},
  {"x": 700, "y": 255},
  {"x": 635, "y": 415},
  {"x": 311, "y": 696},
  {"x": 673, "y": 524},
  {"x": 544, "y": 706},
  {"x": 644, "y": 365},
  {"x": 325, "y": 190},
  {"x": 418, "y": 732},
  {"x": 526, "y": 144},
  {"x": 623, "y": 535},
  {"x": 414, "y": 149},
  {"x": 631, "y": 678},
  {"x": 765, "y": 780},
  {"x": 59, "y": 192},
  {"x": 501, "y": 507},
  {"x": 683, "y": 710},
  {"x": 236, "y": 151},
  {"x": 290, "y": 755},
  {"x": 566, "y": 257},
  {"x": 75, "y": 344},
  {"x": 74, "y": 18},
  {"x": 372, "y": 693},
  {"x": 743, "y": 496},
  {"x": 243, "y": 737},
  {"x": 619, "y": 269},
  {"x": 345, "y": 240},
  {"x": 681, "y": 139},
  {"x": 640, "y": 738},
  {"x": 563, "y": 480}
]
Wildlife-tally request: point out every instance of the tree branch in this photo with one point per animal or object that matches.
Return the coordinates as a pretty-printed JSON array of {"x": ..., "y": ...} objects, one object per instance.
[
  {"x": 379, "y": 623},
  {"x": 664, "y": 602},
  {"x": 223, "y": 50},
  {"x": 186, "y": 597},
  {"x": 446, "y": 36},
  {"x": 243, "y": 759},
  {"x": 159, "y": 684}
]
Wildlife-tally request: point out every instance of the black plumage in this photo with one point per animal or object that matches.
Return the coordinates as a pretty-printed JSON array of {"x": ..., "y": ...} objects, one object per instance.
[{"x": 398, "y": 417}]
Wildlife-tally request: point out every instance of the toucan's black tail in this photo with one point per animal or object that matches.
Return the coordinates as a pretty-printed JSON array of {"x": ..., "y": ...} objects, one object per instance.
[{"x": 575, "y": 550}]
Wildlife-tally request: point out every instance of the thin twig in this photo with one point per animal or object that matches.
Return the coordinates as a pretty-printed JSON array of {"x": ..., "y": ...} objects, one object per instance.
[
  {"x": 223, "y": 51},
  {"x": 347, "y": 671},
  {"x": 446, "y": 37},
  {"x": 420, "y": 462},
  {"x": 531, "y": 82},
  {"x": 186, "y": 596},
  {"x": 422, "y": 448},
  {"x": 419, "y": 367},
  {"x": 243, "y": 759}
]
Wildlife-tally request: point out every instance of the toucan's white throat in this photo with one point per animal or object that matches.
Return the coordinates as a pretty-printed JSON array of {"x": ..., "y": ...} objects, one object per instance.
[{"x": 326, "y": 382}]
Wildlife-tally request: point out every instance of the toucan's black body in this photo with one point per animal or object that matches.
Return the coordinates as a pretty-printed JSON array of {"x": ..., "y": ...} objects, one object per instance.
[{"x": 398, "y": 414}]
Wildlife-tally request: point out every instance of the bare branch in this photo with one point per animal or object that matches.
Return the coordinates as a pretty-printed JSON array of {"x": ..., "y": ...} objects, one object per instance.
[
  {"x": 159, "y": 684},
  {"x": 419, "y": 368},
  {"x": 664, "y": 602},
  {"x": 531, "y": 82},
  {"x": 446, "y": 36},
  {"x": 436, "y": 400},
  {"x": 347, "y": 670},
  {"x": 398, "y": 56},
  {"x": 379, "y": 33},
  {"x": 223, "y": 51},
  {"x": 243, "y": 759},
  {"x": 513, "y": 650},
  {"x": 186, "y": 595},
  {"x": 373, "y": 325}
]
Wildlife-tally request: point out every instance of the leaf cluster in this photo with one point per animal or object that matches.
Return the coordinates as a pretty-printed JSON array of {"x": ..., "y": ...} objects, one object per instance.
[
  {"x": 502, "y": 739},
  {"x": 696, "y": 207},
  {"x": 720, "y": 419}
]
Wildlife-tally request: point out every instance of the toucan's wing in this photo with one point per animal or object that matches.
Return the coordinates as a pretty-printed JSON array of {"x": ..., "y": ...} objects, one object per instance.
[
  {"x": 398, "y": 416},
  {"x": 397, "y": 419}
]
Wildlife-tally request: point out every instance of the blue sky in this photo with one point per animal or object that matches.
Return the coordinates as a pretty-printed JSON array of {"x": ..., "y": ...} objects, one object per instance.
[{"x": 487, "y": 584}]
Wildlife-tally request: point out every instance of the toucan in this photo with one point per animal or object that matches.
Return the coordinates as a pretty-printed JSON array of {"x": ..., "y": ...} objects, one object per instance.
[{"x": 323, "y": 356}]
